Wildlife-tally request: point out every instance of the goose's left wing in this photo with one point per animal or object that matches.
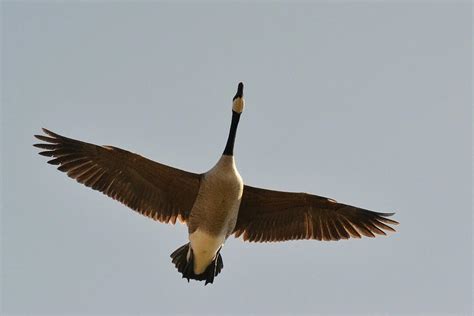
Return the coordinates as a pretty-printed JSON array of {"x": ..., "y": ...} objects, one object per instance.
[
  {"x": 267, "y": 215},
  {"x": 153, "y": 189}
]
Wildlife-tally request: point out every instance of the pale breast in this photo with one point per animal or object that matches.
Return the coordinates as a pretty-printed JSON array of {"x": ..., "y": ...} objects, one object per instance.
[{"x": 216, "y": 207}]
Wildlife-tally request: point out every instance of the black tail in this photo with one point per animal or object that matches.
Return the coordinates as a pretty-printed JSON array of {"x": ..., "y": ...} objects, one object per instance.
[{"x": 185, "y": 267}]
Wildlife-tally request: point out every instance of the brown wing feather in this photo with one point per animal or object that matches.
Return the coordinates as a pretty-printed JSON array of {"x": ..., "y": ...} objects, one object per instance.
[
  {"x": 266, "y": 216},
  {"x": 155, "y": 190}
]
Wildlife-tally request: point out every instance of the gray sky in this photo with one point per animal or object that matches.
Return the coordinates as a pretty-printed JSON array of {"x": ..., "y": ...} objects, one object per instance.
[{"x": 368, "y": 103}]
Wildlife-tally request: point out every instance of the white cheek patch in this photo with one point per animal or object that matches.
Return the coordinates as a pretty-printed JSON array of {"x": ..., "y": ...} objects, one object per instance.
[{"x": 238, "y": 105}]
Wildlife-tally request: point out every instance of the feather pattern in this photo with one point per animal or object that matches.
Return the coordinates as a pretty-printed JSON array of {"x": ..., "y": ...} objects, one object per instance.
[
  {"x": 155, "y": 190},
  {"x": 267, "y": 216}
]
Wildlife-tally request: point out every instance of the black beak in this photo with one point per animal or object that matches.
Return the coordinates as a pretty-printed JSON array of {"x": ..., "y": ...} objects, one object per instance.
[{"x": 240, "y": 91}]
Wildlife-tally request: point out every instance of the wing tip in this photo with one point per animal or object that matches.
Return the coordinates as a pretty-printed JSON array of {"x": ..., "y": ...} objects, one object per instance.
[
  {"x": 47, "y": 131},
  {"x": 387, "y": 214},
  {"x": 388, "y": 220},
  {"x": 48, "y": 137}
]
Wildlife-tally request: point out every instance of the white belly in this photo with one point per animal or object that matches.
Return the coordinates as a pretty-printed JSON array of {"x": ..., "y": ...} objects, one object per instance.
[{"x": 204, "y": 248}]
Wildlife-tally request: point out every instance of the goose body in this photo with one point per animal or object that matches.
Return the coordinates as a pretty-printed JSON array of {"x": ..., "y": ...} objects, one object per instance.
[
  {"x": 214, "y": 204},
  {"x": 214, "y": 214}
]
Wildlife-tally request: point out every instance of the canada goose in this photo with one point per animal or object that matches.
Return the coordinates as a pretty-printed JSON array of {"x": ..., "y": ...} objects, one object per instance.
[{"x": 214, "y": 204}]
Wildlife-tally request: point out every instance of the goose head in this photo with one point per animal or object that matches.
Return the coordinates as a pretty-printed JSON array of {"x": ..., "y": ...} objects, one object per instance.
[
  {"x": 238, "y": 105},
  {"x": 238, "y": 102}
]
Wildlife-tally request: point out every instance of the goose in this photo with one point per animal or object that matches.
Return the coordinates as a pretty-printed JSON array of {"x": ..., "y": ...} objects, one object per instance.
[{"x": 214, "y": 205}]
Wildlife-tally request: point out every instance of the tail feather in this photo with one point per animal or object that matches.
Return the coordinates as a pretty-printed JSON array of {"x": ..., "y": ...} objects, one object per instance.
[
  {"x": 179, "y": 257},
  {"x": 184, "y": 265}
]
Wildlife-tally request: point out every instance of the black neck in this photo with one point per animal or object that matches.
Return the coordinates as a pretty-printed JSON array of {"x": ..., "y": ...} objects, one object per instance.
[{"x": 229, "y": 147}]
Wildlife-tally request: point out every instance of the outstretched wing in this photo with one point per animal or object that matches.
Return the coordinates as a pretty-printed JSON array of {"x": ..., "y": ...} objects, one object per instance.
[
  {"x": 155, "y": 190},
  {"x": 267, "y": 216}
]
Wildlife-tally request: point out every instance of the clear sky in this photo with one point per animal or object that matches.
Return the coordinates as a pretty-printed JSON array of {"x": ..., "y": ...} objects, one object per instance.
[{"x": 368, "y": 103}]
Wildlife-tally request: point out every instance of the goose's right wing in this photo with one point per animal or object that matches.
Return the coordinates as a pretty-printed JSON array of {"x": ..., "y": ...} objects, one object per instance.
[
  {"x": 268, "y": 215},
  {"x": 148, "y": 187}
]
